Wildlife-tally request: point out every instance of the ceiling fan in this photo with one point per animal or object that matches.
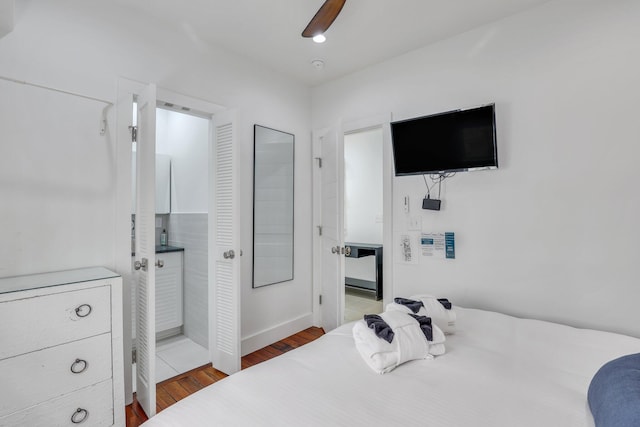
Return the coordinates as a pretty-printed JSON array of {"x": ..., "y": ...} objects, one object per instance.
[{"x": 323, "y": 18}]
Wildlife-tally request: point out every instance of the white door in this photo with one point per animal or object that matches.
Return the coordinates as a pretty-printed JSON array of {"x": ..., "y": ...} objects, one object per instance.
[
  {"x": 145, "y": 251},
  {"x": 332, "y": 220},
  {"x": 224, "y": 237}
]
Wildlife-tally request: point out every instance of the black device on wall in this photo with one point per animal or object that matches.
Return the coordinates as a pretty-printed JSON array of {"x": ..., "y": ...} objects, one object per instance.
[
  {"x": 453, "y": 141},
  {"x": 431, "y": 204}
]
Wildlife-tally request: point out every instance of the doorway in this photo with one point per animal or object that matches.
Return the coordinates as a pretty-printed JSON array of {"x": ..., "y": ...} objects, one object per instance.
[
  {"x": 181, "y": 241},
  {"x": 222, "y": 234},
  {"x": 329, "y": 242},
  {"x": 363, "y": 223}
]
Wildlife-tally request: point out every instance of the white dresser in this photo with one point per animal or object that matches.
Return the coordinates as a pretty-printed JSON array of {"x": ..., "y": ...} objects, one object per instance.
[{"x": 61, "y": 349}]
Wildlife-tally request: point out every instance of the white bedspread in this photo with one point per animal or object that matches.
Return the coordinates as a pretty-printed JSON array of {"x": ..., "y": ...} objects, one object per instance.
[{"x": 498, "y": 371}]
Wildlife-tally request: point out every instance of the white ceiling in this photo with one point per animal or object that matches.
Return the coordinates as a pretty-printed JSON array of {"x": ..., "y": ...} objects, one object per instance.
[{"x": 365, "y": 32}]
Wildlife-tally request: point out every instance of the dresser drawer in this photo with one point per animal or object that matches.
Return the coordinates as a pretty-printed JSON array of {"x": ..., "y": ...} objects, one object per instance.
[
  {"x": 43, "y": 321},
  {"x": 41, "y": 375},
  {"x": 94, "y": 404}
]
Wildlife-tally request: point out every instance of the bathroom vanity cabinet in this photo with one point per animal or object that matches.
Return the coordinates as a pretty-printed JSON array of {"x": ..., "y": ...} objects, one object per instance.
[{"x": 169, "y": 292}]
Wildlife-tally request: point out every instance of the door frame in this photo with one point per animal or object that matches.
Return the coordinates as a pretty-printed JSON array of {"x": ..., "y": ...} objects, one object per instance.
[
  {"x": 383, "y": 121},
  {"x": 316, "y": 220}
]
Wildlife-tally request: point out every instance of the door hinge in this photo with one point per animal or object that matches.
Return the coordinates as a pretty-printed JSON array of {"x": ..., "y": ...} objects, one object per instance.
[
  {"x": 134, "y": 133},
  {"x": 319, "y": 159},
  {"x": 319, "y": 230},
  {"x": 134, "y": 355},
  {"x": 320, "y": 299}
]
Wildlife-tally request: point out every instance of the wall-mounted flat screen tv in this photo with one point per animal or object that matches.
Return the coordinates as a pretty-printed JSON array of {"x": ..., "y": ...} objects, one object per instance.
[{"x": 458, "y": 140}]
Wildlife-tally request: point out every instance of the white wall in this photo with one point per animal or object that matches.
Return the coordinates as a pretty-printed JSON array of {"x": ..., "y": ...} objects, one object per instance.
[
  {"x": 189, "y": 231},
  {"x": 6, "y": 16},
  {"x": 363, "y": 186},
  {"x": 553, "y": 233},
  {"x": 85, "y": 47},
  {"x": 57, "y": 182},
  {"x": 186, "y": 139}
]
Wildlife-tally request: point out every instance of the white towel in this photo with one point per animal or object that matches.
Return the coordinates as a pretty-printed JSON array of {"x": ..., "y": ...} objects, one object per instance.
[
  {"x": 445, "y": 319},
  {"x": 440, "y": 316},
  {"x": 409, "y": 342}
]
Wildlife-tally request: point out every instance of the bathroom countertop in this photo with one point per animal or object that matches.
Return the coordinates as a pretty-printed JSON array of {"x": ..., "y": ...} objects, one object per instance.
[{"x": 164, "y": 249}]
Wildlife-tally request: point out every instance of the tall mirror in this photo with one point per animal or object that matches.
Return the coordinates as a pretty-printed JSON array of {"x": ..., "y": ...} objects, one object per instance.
[{"x": 272, "y": 206}]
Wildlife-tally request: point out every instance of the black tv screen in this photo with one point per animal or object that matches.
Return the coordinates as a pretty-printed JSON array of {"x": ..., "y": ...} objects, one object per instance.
[{"x": 447, "y": 142}]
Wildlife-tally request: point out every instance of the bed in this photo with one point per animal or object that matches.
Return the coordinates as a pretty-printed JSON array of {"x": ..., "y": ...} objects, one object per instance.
[{"x": 497, "y": 371}]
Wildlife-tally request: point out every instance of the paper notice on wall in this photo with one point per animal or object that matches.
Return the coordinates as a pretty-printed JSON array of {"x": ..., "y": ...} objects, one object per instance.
[
  {"x": 438, "y": 245},
  {"x": 406, "y": 253}
]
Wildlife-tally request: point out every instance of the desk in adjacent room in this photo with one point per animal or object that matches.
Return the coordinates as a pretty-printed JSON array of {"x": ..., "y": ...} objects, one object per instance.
[{"x": 359, "y": 250}]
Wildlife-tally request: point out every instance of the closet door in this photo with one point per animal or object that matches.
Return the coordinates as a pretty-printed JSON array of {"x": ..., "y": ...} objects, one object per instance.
[
  {"x": 145, "y": 259},
  {"x": 224, "y": 238}
]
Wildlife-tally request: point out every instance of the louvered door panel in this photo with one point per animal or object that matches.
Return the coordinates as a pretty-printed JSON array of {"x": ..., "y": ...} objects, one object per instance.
[
  {"x": 142, "y": 330},
  {"x": 145, "y": 250},
  {"x": 225, "y": 316},
  {"x": 224, "y": 184}
]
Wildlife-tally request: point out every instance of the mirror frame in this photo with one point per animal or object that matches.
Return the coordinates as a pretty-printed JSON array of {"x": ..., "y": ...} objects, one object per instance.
[{"x": 255, "y": 274}]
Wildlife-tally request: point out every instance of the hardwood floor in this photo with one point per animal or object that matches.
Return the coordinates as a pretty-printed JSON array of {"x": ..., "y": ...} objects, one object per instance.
[{"x": 170, "y": 391}]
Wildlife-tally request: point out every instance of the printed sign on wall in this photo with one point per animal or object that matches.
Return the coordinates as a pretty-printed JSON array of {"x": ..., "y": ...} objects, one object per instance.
[{"x": 438, "y": 245}]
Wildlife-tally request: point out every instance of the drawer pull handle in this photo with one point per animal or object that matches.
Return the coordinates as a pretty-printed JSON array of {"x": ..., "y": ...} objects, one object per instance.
[
  {"x": 79, "y": 366},
  {"x": 79, "y": 416},
  {"x": 83, "y": 310}
]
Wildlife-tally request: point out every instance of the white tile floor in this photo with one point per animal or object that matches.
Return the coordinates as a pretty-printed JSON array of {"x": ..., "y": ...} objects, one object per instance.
[
  {"x": 181, "y": 354},
  {"x": 358, "y": 303},
  {"x": 176, "y": 355}
]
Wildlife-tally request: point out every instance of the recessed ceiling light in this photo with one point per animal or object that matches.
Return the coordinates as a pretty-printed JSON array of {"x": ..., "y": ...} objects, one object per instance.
[{"x": 320, "y": 38}]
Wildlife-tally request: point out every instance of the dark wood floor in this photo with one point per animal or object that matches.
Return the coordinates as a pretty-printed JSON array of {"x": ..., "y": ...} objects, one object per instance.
[{"x": 170, "y": 391}]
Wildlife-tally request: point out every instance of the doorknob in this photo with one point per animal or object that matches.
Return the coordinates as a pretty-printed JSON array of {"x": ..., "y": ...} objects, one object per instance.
[
  {"x": 347, "y": 250},
  {"x": 230, "y": 254},
  {"x": 335, "y": 249},
  {"x": 141, "y": 265},
  {"x": 160, "y": 263}
]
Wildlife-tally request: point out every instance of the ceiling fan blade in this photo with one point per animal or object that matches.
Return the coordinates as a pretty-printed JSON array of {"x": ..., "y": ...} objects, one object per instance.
[{"x": 323, "y": 19}]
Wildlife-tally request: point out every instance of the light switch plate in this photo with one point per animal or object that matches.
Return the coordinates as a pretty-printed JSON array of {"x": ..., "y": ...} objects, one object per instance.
[{"x": 414, "y": 223}]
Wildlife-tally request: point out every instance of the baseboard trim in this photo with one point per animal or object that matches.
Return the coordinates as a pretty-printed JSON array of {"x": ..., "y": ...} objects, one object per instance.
[{"x": 276, "y": 333}]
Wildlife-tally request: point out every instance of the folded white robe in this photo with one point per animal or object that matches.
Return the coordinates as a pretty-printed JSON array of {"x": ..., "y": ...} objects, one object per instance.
[
  {"x": 440, "y": 316},
  {"x": 409, "y": 342}
]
